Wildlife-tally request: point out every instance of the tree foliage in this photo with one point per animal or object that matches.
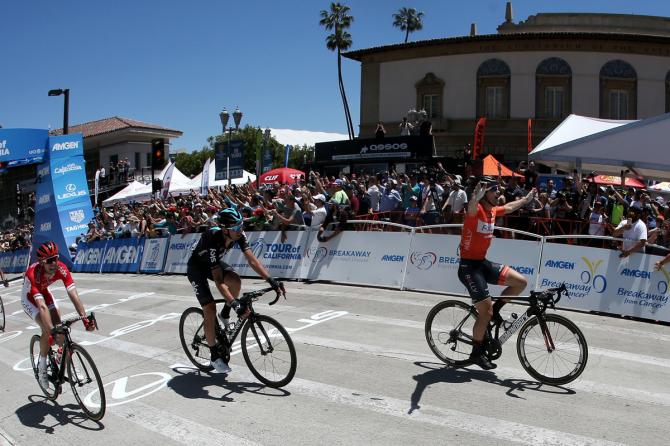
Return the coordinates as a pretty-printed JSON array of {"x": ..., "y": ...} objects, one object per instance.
[{"x": 408, "y": 20}]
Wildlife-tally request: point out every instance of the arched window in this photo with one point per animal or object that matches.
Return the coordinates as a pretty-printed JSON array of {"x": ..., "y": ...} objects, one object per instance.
[
  {"x": 667, "y": 92},
  {"x": 493, "y": 89},
  {"x": 553, "y": 89},
  {"x": 618, "y": 90},
  {"x": 429, "y": 94}
]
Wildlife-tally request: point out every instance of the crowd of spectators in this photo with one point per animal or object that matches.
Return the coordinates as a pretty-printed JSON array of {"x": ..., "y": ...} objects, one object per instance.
[
  {"x": 16, "y": 238},
  {"x": 425, "y": 196}
]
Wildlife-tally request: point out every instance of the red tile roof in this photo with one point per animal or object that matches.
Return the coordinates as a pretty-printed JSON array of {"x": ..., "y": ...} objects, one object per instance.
[{"x": 109, "y": 125}]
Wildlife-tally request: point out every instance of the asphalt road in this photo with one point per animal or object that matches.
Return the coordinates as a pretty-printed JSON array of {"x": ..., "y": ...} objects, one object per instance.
[{"x": 365, "y": 376}]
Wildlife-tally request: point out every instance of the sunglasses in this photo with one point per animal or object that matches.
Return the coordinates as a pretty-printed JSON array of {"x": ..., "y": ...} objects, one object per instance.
[
  {"x": 236, "y": 228},
  {"x": 50, "y": 260}
]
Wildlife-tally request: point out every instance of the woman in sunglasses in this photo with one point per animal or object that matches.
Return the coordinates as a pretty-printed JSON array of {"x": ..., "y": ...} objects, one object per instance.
[
  {"x": 39, "y": 303},
  {"x": 206, "y": 263}
]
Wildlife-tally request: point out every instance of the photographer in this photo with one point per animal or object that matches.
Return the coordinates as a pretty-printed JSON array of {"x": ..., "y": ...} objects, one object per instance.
[{"x": 431, "y": 198}]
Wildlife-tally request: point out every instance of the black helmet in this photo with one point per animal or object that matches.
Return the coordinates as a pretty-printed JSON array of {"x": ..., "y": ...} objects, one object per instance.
[
  {"x": 488, "y": 181},
  {"x": 229, "y": 217}
]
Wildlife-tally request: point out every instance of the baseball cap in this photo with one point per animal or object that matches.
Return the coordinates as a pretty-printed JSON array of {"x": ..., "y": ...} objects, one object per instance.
[
  {"x": 339, "y": 182},
  {"x": 320, "y": 197}
]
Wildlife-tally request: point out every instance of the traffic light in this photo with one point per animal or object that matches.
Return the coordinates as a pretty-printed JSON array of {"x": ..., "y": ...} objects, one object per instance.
[
  {"x": 157, "y": 153},
  {"x": 157, "y": 185}
]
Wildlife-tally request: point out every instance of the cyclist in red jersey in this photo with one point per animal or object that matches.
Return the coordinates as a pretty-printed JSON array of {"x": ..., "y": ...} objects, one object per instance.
[
  {"x": 475, "y": 272},
  {"x": 39, "y": 303}
]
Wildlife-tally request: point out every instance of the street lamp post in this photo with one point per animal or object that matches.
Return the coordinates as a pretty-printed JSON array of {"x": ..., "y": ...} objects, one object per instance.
[
  {"x": 237, "y": 118},
  {"x": 66, "y": 105},
  {"x": 259, "y": 162}
]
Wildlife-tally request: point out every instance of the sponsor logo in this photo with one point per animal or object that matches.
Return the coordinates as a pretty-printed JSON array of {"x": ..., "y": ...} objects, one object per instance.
[
  {"x": 122, "y": 255},
  {"x": 317, "y": 254},
  {"x": 283, "y": 251},
  {"x": 46, "y": 226},
  {"x": 88, "y": 256},
  {"x": 36, "y": 151},
  {"x": 44, "y": 171},
  {"x": 59, "y": 146},
  {"x": 69, "y": 168},
  {"x": 256, "y": 247},
  {"x": 448, "y": 260},
  {"x": 383, "y": 147},
  {"x": 423, "y": 260},
  {"x": 71, "y": 192},
  {"x": 527, "y": 270},
  {"x": 271, "y": 177},
  {"x": 77, "y": 216},
  {"x": 44, "y": 199},
  {"x": 144, "y": 384},
  {"x": 153, "y": 253},
  {"x": 591, "y": 276},
  {"x": 560, "y": 264},
  {"x": 393, "y": 258},
  {"x": 76, "y": 228},
  {"x": 636, "y": 273}
]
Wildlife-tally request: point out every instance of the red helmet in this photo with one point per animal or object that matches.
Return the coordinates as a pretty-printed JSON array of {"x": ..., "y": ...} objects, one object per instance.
[{"x": 48, "y": 249}]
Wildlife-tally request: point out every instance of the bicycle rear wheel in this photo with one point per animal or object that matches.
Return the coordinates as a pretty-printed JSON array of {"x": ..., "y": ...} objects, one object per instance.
[
  {"x": 53, "y": 389},
  {"x": 558, "y": 365},
  {"x": 2, "y": 315},
  {"x": 268, "y": 351},
  {"x": 449, "y": 332},
  {"x": 86, "y": 382},
  {"x": 192, "y": 336}
]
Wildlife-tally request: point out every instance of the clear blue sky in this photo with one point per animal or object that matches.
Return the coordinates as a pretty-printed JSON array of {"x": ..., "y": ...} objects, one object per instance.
[{"x": 178, "y": 63}]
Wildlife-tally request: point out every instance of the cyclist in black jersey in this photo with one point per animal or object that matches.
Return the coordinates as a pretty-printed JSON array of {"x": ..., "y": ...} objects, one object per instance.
[{"x": 206, "y": 263}]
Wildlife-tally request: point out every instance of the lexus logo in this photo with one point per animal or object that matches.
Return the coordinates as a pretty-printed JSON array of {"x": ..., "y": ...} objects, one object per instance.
[{"x": 70, "y": 187}]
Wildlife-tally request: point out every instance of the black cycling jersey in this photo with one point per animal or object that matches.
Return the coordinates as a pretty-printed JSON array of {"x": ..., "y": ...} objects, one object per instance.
[{"x": 211, "y": 248}]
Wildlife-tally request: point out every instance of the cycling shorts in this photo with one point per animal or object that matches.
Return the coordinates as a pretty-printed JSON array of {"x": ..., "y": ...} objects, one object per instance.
[
  {"x": 477, "y": 274},
  {"x": 198, "y": 279},
  {"x": 30, "y": 307}
]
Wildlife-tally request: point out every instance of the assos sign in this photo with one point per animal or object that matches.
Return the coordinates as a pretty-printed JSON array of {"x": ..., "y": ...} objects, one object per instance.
[{"x": 383, "y": 147}]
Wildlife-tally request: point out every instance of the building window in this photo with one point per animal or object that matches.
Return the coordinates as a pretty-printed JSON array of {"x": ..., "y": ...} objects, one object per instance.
[
  {"x": 618, "y": 90},
  {"x": 553, "y": 102},
  {"x": 553, "y": 89},
  {"x": 148, "y": 164},
  {"x": 618, "y": 104},
  {"x": 431, "y": 105},
  {"x": 429, "y": 94},
  {"x": 493, "y": 89}
]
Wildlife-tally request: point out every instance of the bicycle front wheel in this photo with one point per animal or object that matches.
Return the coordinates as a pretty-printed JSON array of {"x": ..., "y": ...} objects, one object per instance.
[
  {"x": 52, "y": 390},
  {"x": 86, "y": 383},
  {"x": 449, "y": 332},
  {"x": 2, "y": 315},
  {"x": 192, "y": 336},
  {"x": 268, "y": 351},
  {"x": 552, "y": 350}
]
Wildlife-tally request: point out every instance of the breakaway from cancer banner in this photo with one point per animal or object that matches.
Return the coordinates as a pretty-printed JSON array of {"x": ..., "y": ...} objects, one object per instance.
[{"x": 597, "y": 279}]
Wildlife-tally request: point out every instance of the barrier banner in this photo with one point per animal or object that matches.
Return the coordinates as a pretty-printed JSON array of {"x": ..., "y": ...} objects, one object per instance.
[
  {"x": 598, "y": 280},
  {"x": 179, "y": 251},
  {"x": 123, "y": 255},
  {"x": 22, "y": 146},
  {"x": 358, "y": 257},
  {"x": 235, "y": 154},
  {"x": 281, "y": 259},
  {"x": 14, "y": 261},
  {"x": 153, "y": 256},
  {"x": 434, "y": 259},
  {"x": 433, "y": 263},
  {"x": 89, "y": 257}
]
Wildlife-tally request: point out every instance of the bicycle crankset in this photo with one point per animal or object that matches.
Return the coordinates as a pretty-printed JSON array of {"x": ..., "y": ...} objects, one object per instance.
[{"x": 493, "y": 349}]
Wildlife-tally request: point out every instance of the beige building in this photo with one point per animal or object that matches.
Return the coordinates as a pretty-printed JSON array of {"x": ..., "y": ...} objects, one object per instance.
[{"x": 611, "y": 66}]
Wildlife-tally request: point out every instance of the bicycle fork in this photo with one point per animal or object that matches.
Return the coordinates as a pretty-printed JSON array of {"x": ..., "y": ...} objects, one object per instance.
[{"x": 548, "y": 341}]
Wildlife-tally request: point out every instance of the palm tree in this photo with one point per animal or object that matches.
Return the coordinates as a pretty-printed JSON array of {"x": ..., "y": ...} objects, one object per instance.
[
  {"x": 408, "y": 20},
  {"x": 338, "y": 19}
]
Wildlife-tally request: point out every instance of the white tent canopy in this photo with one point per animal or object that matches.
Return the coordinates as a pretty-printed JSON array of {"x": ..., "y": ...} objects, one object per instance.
[
  {"x": 608, "y": 147},
  {"x": 195, "y": 182},
  {"x": 137, "y": 191}
]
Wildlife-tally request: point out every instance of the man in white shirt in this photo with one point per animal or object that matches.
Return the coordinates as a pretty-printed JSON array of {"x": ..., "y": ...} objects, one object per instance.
[
  {"x": 375, "y": 194},
  {"x": 633, "y": 231},
  {"x": 318, "y": 214},
  {"x": 456, "y": 202}
]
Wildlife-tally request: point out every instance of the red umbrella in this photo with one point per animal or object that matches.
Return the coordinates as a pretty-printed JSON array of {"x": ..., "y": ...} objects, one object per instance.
[
  {"x": 284, "y": 175},
  {"x": 616, "y": 181}
]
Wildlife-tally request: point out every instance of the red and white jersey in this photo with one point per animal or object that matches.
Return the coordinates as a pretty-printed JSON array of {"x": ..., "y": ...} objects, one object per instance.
[
  {"x": 36, "y": 284},
  {"x": 478, "y": 232}
]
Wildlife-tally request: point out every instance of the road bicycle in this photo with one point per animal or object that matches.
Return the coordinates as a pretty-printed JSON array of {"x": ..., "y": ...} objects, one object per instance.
[
  {"x": 266, "y": 345},
  {"x": 74, "y": 365},
  {"x": 551, "y": 348}
]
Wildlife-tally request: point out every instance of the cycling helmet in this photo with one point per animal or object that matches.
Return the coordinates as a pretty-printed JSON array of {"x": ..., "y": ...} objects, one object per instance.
[
  {"x": 229, "y": 217},
  {"x": 489, "y": 181},
  {"x": 46, "y": 250}
]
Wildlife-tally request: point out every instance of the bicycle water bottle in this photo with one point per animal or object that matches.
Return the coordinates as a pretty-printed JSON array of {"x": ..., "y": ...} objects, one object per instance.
[
  {"x": 510, "y": 320},
  {"x": 58, "y": 355}
]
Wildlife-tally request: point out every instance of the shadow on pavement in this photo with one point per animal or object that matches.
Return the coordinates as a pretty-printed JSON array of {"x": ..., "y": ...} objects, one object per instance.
[
  {"x": 440, "y": 373},
  {"x": 192, "y": 383},
  {"x": 46, "y": 415}
]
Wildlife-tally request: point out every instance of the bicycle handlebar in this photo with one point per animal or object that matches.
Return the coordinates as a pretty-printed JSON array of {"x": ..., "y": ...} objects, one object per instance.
[
  {"x": 549, "y": 293},
  {"x": 65, "y": 325},
  {"x": 254, "y": 295}
]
